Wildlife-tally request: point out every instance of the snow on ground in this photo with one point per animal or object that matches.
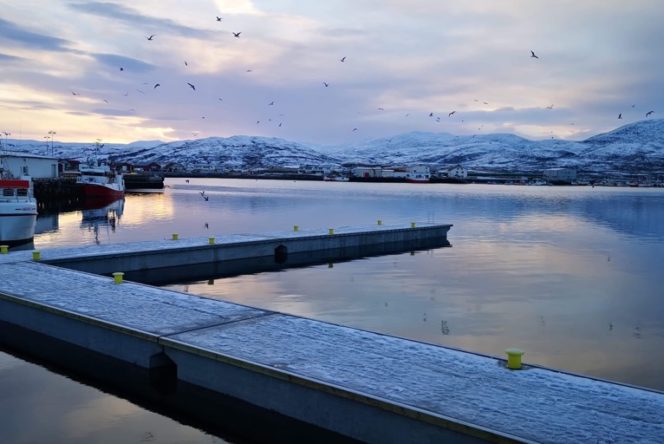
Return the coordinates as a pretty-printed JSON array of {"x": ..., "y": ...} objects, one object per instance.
[{"x": 637, "y": 147}]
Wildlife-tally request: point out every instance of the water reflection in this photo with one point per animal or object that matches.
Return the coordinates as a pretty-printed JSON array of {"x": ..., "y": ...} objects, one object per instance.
[{"x": 101, "y": 214}]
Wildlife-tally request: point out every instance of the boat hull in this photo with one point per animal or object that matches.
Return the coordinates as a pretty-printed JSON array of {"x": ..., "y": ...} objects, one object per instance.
[
  {"x": 100, "y": 191},
  {"x": 17, "y": 222}
]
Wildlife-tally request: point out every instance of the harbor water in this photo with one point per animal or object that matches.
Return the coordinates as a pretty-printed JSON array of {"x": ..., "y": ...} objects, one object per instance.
[{"x": 571, "y": 275}]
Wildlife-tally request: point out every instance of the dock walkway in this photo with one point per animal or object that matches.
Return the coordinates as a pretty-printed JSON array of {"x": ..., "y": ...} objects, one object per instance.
[{"x": 364, "y": 385}]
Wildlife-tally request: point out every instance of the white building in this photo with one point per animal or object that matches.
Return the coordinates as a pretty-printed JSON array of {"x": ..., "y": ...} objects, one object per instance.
[
  {"x": 457, "y": 172},
  {"x": 24, "y": 164},
  {"x": 560, "y": 175},
  {"x": 419, "y": 173}
]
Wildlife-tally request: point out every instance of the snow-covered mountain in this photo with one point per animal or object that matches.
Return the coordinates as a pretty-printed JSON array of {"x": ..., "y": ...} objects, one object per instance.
[{"x": 633, "y": 148}]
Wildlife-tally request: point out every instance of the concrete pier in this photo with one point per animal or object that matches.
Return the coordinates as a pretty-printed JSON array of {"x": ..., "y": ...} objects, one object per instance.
[{"x": 361, "y": 385}]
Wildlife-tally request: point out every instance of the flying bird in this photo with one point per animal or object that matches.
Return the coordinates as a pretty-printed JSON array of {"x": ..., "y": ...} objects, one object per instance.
[
  {"x": 354, "y": 129},
  {"x": 74, "y": 93},
  {"x": 192, "y": 86},
  {"x": 219, "y": 18},
  {"x": 619, "y": 115},
  {"x": 151, "y": 37},
  {"x": 106, "y": 101},
  {"x": 380, "y": 108},
  {"x": 533, "y": 55},
  {"x": 279, "y": 124},
  {"x": 271, "y": 103},
  {"x": 237, "y": 34},
  {"x": 649, "y": 113},
  {"x": 430, "y": 114},
  {"x": 220, "y": 99},
  {"x": 326, "y": 84},
  {"x": 156, "y": 85},
  {"x": 185, "y": 63},
  {"x": 121, "y": 68},
  {"x": 343, "y": 59},
  {"x": 550, "y": 106},
  {"x": 451, "y": 114}
]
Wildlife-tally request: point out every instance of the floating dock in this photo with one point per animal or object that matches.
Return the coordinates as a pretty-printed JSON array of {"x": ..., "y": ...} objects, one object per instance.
[{"x": 362, "y": 385}]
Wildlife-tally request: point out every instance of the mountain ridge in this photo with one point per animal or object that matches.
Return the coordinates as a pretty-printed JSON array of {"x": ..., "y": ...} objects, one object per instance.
[{"x": 630, "y": 149}]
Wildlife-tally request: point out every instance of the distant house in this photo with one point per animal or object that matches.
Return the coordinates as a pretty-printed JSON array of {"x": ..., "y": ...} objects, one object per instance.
[
  {"x": 174, "y": 167},
  {"x": 559, "y": 175},
  {"x": 152, "y": 166},
  {"x": 24, "y": 164},
  {"x": 457, "y": 172},
  {"x": 418, "y": 173}
]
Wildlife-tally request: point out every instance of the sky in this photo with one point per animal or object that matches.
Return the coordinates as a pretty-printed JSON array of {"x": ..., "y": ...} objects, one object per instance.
[{"x": 337, "y": 72}]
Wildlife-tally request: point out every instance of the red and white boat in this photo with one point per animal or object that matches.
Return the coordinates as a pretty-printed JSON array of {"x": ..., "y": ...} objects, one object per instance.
[
  {"x": 100, "y": 181},
  {"x": 18, "y": 211}
]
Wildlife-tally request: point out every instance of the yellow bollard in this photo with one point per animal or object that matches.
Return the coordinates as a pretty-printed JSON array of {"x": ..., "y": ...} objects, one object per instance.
[
  {"x": 296, "y": 228},
  {"x": 4, "y": 249},
  {"x": 210, "y": 281},
  {"x": 412, "y": 225},
  {"x": 118, "y": 277},
  {"x": 174, "y": 236},
  {"x": 330, "y": 265},
  {"x": 380, "y": 222},
  {"x": 330, "y": 231},
  {"x": 514, "y": 358},
  {"x": 36, "y": 255},
  {"x": 211, "y": 240}
]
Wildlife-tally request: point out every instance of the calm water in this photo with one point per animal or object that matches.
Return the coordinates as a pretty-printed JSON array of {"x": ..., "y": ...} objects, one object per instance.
[{"x": 571, "y": 275}]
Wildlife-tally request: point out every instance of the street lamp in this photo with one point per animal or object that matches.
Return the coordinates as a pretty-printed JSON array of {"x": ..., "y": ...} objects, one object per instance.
[
  {"x": 6, "y": 134},
  {"x": 51, "y": 133}
]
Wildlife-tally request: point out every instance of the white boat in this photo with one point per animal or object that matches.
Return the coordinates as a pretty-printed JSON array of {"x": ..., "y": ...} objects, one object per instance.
[
  {"x": 18, "y": 211},
  {"x": 100, "y": 181}
]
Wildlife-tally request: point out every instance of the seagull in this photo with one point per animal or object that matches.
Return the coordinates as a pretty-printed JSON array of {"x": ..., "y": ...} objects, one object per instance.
[
  {"x": 257, "y": 122},
  {"x": 220, "y": 99},
  {"x": 550, "y": 106},
  {"x": 142, "y": 92},
  {"x": 279, "y": 124},
  {"x": 380, "y": 108},
  {"x": 74, "y": 93},
  {"x": 451, "y": 114},
  {"x": 354, "y": 129},
  {"x": 192, "y": 86},
  {"x": 219, "y": 18},
  {"x": 649, "y": 113},
  {"x": 343, "y": 59},
  {"x": 206, "y": 225},
  {"x": 185, "y": 63},
  {"x": 326, "y": 84},
  {"x": 151, "y": 37},
  {"x": 437, "y": 119},
  {"x": 121, "y": 68},
  {"x": 237, "y": 34},
  {"x": 532, "y": 54},
  {"x": 106, "y": 101},
  {"x": 156, "y": 85},
  {"x": 431, "y": 114},
  {"x": 206, "y": 198},
  {"x": 271, "y": 103},
  {"x": 619, "y": 115}
]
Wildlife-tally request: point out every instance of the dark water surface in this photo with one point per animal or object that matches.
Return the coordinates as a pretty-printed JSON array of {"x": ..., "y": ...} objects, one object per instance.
[{"x": 571, "y": 275}]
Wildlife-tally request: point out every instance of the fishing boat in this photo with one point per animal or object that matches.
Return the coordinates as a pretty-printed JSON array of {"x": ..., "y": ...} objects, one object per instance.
[
  {"x": 100, "y": 181},
  {"x": 18, "y": 210}
]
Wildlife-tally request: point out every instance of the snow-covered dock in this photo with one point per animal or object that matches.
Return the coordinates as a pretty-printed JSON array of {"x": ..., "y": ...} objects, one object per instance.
[
  {"x": 363, "y": 385},
  {"x": 342, "y": 242}
]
